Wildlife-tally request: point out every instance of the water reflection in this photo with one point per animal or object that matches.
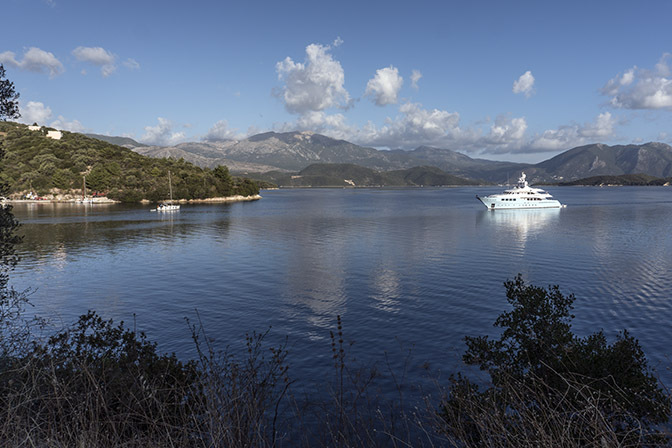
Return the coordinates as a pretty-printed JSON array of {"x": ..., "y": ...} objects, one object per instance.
[
  {"x": 56, "y": 230},
  {"x": 387, "y": 289},
  {"x": 315, "y": 270},
  {"x": 521, "y": 224}
]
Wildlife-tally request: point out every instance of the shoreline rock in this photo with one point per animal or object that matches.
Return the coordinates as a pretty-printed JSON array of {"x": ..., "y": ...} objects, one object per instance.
[
  {"x": 236, "y": 198},
  {"x": 67, "y": 199}
]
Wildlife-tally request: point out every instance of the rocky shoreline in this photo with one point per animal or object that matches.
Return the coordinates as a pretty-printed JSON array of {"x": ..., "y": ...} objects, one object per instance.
[{"x": 68, "y": 199}]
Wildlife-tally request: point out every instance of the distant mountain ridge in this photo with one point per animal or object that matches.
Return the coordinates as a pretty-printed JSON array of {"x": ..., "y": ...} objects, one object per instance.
[
  {"x": 654, "y": 159},
  {"x": 294, "y": 151},
  {"x": 350, "y": 175},
  {"x": 126, "y": 142}
]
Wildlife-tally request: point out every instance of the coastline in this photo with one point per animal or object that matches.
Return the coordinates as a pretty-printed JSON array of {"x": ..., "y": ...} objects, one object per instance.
[
  {"x": 65, "y": 199},
  {"x": 236, "y": 198}
]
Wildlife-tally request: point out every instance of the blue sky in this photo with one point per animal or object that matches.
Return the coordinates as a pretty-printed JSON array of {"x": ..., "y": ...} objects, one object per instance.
[{"x": 519, "y": 81}]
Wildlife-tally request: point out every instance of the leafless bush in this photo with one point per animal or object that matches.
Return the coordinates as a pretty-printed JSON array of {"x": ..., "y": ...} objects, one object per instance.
[{"x": 532, "y": 413}]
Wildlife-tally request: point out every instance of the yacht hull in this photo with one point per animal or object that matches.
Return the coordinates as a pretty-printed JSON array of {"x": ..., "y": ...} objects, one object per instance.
[{"x": 496, "y": 203}]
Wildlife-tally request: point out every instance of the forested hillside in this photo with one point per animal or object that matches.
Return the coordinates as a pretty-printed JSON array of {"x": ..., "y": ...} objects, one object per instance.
[
  {"x": 626, "y": 179},
  {"x": 35, "y": 162}
]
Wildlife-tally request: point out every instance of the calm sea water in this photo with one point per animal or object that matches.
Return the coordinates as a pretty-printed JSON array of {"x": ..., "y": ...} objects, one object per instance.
[{"x": 407, "y": 269}]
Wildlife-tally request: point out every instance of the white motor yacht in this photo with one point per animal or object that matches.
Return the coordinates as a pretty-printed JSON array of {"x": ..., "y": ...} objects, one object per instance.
[{"x": 520, "y": 196}]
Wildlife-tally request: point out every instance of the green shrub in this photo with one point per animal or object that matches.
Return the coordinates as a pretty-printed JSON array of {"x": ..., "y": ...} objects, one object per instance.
[
  {"x": 551, "y": 387},
  {"x": 103, "y": 379}
]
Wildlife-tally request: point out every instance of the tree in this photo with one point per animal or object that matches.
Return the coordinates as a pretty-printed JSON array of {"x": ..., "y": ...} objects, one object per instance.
[
  {"x": 9, "y": 104},
  {"x": 223, "y": 180},
  {"x": 11, "y": 301},
  {"x": 551, "y": 387}
]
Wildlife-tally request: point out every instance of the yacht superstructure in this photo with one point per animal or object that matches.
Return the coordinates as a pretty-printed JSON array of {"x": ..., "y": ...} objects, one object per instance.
[{"x": 520, "y": 196}]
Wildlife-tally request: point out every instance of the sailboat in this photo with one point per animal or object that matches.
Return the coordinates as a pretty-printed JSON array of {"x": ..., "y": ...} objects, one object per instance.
[
  {"x": 84, "y": 199},
  {"x": 168, "y": 206}
]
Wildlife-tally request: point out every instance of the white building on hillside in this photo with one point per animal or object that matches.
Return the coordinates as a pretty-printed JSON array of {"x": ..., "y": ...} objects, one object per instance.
[{"x": 56, "y": 135}]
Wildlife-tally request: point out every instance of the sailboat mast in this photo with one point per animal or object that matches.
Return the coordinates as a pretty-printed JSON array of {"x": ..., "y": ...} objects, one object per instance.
[
  {"x": 84, "y": 187},
  {"x": 170, "y": 187}
]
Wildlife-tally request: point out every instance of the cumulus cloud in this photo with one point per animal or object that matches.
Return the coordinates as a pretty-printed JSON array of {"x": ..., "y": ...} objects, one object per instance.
[
  {"x": 97, "y": 56},
  {"x": 415, "y": 77},
  {"x": 62, "y": 123},
  {"x": 319, "y": 121},
  {"x": 602, "y": 128},
  {"x": 506, "y": 133},
  {"x": 333, "y": 125},
  {"x": 35, "y": 112},
  {"x": 524, "y": 84},
  {"x": 414, "y": 126},
  {"x": 313, "y": 85},
  {"x": 34, "y": 60},
  {"x": 162, "y": 134},
  {"x": 566, "y": 137},
  {"x": 220, "y": 131},
  {"x": 642, "y": 88},
  {"x": 384, "y": 87}
]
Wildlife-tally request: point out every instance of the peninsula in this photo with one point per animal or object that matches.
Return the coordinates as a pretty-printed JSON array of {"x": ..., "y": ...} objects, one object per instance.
[{"x": 73, "y": 167}]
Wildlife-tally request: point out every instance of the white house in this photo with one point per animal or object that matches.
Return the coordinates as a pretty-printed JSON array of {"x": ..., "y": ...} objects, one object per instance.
[{"x": 56, "y": 135}]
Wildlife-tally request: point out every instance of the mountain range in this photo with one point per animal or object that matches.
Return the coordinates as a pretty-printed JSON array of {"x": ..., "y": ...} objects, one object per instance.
[{"x": 291, "y": 152}]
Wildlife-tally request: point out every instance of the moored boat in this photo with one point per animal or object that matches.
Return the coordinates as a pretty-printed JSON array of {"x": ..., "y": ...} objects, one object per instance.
[
  {"x": 520, "y": 196},
  {"x": 167, "y": 206}
]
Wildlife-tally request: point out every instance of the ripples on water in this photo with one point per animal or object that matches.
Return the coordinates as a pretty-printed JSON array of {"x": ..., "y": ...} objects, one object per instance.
[{"x": 416, "y": 268}]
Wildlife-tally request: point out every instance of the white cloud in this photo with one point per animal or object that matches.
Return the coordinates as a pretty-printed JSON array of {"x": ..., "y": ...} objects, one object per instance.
[
  {"x": 524, "y": 84},
  {"x": 131, "y": 64},
  {"x": 162, "y": 134},
  {"x": 65, "y": 125},
  {"x": 221, "y": 131},
  {"x": 641, "y": 88},
  {"x": 97, "y": 56},
  {"x": 315, "y": 85},
  {"x": 414, "y": 126},
  {"x": 384, "y": 87},
  {"x": 337, "y": 42},
  {"x": 566, "y": 137},
  {"x": 35, "y": 112},
  {"x": 603, "y": 127},
  {"x": 94, "y": 55},
  {"x": 319, "y": 121},
  {"x": 34, "y": 60},
  {"x": 333, "y": 125},
  {"x": 415, "y": 77},
  {"x": 506, "y": 133}
]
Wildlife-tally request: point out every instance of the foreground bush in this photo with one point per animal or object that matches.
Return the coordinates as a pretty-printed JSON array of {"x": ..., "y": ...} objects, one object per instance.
[
  {"x": 96, "y": 384},
  {"x": 552, "y": 388}
]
